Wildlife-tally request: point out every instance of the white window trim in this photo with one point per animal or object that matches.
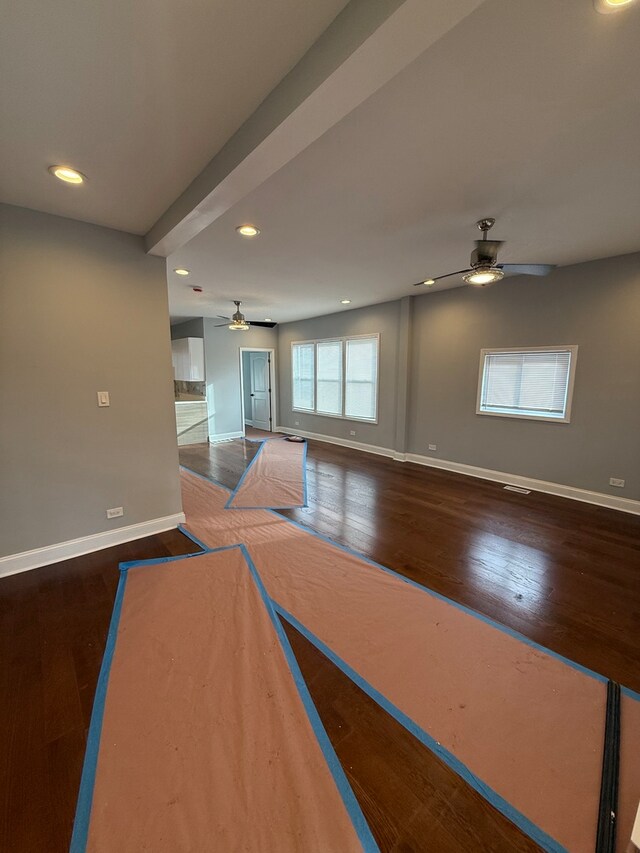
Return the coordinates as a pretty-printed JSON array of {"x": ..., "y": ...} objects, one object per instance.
[
  {"x": 573, "y": 349},
  {"x": 342, "y": 340}
]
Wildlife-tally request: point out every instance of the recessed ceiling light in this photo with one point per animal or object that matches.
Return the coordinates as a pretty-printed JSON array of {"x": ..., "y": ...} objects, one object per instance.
[
  {"x": 248, "y": 230},
  {"x": 429, "y": 282},
  {"x": 268, "y": 320},
  {"x": 345, "y": 302},
  {"x": 67, "y": 174},
  {"x": 181, "y": 271},
  {"x": 606, "y": 6}
]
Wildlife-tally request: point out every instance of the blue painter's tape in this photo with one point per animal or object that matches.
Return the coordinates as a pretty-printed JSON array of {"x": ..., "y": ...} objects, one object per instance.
[
  {"x": 262, "y": 442},
  {"x": 159, "y": 561},
  {"x": 205, "y": 478},
  {"x": 630, "y": 693},
  {"x": 244, "y": 475},
  {"x": 486, "y": 619},
  {"x": 342, "y": 783},
  {"x": 516, "y": 817},
  {"x": 87, "y": 782},
  {"x": 124, "y": 567},
  {"x": 304, "y": 474},
  {"x": 193, "y": 538}
]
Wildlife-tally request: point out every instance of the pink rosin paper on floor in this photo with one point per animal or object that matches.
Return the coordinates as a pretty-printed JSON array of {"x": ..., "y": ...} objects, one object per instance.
[{"x": 526, "y": 723}]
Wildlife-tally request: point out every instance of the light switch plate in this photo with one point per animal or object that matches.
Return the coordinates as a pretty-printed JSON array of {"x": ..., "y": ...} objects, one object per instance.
[{"x": 103, "y": 398}]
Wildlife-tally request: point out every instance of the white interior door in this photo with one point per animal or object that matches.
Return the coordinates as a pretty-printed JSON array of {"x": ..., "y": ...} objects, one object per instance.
[{"x": 260, "y": 391}]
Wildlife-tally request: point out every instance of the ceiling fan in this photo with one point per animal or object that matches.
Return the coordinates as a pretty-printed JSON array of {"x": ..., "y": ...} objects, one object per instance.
[
  {"x": 238, "y": 322},
  {"x": 485, "y": 269}
]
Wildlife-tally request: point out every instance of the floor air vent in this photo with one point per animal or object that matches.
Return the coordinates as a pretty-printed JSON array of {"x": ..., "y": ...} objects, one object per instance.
[{"x": 518, "y": 490}]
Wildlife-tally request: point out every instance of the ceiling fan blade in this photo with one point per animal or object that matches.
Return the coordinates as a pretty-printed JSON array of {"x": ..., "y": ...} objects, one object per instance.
[
  {"x": 220, "y": 325},
  {"x": 438, "y": 277},
  {"x": 223, "y": 317},
  {"x": 527, "y": 269},
  {"x": 265, "y": 325}
]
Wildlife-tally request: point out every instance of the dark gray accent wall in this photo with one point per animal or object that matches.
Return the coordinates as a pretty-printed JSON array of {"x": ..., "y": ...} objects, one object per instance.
[
  {"x": 595, "y": 305},
  {"x": 188, "y": 329},
  {"x": 383, "y": 319},
  {"x": 82, "y": 309}
]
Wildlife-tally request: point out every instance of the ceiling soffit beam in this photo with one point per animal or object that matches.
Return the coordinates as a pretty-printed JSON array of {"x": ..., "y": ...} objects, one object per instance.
[{"x": 365, "y": 47}]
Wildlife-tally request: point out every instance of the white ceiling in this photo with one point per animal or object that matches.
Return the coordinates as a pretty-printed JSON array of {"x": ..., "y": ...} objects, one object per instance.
[
  {"x": 137, "y": 94},
  {"x": 528, "y": 111}
]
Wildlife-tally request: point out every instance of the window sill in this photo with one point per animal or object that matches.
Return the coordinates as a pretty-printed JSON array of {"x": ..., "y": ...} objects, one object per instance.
[
  {"x": 373, "y": 421},
  {"x": 550, "y": 419}
]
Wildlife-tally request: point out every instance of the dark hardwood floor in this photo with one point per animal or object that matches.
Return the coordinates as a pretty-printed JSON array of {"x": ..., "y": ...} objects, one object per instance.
[{"x": 563, "y": 573}]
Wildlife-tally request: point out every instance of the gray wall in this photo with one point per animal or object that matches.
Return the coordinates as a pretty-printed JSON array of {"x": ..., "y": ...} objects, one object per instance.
[
  {"x": 594, "y": 305},
  {"x": 82, "y": 309},
  {"x": 188, "y": 329},
  {"x": 385, "y": 319},
  {"x": 222, "y": 367},
  {"x": 430, "y": 353}
]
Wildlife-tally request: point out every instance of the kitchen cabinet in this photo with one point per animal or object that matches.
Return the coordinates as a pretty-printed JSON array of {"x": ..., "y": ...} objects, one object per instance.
[{"x": 187, "y": 355}]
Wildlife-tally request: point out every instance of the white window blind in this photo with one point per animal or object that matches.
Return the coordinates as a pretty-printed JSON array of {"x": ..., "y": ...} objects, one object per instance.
[
  {"x": 303, "y": 356},
  {"x": 329, "y": 377},
  {"x": 528, "y": 383},
  {"x": 337, "y": 377},
  {"x": 361, "y": 378}
]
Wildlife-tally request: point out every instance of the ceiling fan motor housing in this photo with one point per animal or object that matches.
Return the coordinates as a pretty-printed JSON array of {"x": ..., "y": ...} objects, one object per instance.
[{"x": 485, "y": 253}]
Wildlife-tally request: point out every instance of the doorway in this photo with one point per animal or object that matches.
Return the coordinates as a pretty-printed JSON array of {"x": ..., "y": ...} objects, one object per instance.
[{"x": 257, "y": 374}]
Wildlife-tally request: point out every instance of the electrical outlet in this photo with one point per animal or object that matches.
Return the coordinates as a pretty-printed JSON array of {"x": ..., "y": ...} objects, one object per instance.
[
  {"x": 433, "y": 447},
  {"x": 614, "y": 481},
  {"x": 352, "y": 432},
  {"x": 115, "y": 512},
  {"x": 296, "y": 423}
]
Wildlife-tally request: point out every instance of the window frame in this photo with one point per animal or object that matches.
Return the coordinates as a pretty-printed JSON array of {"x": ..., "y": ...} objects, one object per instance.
[
  {"x": 571, "y": 348},
  {"x": 343, "y": 341}
]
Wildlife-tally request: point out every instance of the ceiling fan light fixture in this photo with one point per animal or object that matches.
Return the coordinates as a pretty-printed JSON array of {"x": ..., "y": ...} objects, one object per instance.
[
  {"x": 239, "y": 327},
  {"x": 483, "y": 276}
]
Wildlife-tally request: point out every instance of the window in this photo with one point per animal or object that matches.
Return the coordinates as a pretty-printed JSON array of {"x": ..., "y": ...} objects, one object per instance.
[
  {"x": 534, "y": 383},
  {"x": 329, "y": 381},
  {"x": 362, "y": 379},
  {"x": 337, "y": 377},
  {"x": 303, "y": 377}
]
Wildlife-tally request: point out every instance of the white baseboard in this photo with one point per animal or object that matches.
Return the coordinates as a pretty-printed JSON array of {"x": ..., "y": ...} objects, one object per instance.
[
  {"x": 248, "y": 423},
  {"x": 558, "y": 489},
  {"x": 225, "y": 436},
  {"x": 23, "y": 562},
  {"x": 343, "y": 442}
]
